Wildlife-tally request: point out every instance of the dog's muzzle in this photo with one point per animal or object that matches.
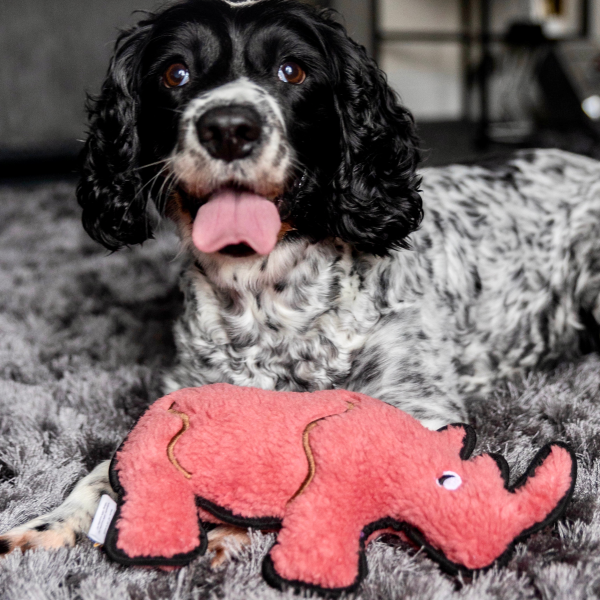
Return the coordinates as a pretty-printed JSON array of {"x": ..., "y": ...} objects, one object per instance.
[{"x": 233, "y": 156}]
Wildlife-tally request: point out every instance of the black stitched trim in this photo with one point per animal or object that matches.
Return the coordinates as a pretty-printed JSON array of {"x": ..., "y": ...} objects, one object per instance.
[
  {"x": 446, "y": 565},
  {"x": 110, "y": 544},
  {"x": 503, "y": 467},
  {"x": 275, "y": 580},
  {"x": 179, "y": 560},
  {"x": 552, "y": 516},
  {"x": 560, "y": 507},
  {"x": 227, "y": 516},
  {"x": 469, "y": 441},
  {"x": 113, "y": 476},
  {"x": 537, "y": 461}
]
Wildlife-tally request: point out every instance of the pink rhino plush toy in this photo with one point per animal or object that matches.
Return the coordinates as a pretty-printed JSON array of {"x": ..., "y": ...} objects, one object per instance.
[{"x": 329, "y": 470}]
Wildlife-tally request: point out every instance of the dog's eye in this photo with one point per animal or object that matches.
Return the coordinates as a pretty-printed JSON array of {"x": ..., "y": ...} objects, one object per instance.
[
  {"x": 176, "y": 75},
  {"x": 290, "y": 72}
]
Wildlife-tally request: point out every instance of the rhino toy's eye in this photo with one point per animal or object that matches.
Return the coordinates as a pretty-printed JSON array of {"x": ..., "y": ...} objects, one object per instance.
[{"x": 450, "y": 481}]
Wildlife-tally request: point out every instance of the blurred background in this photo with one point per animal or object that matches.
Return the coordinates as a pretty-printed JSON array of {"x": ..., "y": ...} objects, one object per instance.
[{"x": 481, "y": 76}]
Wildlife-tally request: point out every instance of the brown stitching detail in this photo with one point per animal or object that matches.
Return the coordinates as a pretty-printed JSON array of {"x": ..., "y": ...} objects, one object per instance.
[
  {"x": 171, "y": 446},
  {"x": 312, "y": 465}
]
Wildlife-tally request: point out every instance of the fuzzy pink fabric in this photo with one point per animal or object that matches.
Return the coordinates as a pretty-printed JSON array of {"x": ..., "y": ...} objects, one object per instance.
[{"x": 244, "y": 453}]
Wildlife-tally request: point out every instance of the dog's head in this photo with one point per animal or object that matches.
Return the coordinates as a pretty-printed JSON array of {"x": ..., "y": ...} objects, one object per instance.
[{"x": 251, "y": 124}]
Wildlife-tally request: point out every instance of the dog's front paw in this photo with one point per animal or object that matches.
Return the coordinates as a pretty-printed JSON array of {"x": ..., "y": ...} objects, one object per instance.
[{"x": 37, "y": 534}]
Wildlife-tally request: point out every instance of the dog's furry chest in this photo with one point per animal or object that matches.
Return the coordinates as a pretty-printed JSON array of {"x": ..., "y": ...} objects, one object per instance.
[{"x": 294, "y": 335}]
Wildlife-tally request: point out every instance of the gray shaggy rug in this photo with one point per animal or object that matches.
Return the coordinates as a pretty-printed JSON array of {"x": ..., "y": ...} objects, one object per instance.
[{"x": 84, "y": 337}]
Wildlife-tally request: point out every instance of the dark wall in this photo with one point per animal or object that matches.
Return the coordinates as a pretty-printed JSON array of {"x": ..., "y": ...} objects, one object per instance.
[
  {"x": 51, "y": 52},
  {"x": 357, "y": 16}
]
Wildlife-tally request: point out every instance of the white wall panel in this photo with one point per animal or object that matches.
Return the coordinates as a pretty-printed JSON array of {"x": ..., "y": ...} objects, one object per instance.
[
  {"x": 426, "y": 15},
  {"x": 427, "y": 77},
  {"x": 51, "y": 53}
]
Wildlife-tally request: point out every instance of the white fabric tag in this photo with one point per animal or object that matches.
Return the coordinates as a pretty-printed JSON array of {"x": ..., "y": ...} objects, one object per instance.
[{"x": 102, "y": 519}]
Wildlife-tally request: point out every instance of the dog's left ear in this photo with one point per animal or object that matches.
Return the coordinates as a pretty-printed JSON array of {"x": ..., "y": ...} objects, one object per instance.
[{"x": 376, "y": 194}]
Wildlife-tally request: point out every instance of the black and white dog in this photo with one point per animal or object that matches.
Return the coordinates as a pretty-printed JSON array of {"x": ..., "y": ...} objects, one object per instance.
[{"x": 289, "y": 166}]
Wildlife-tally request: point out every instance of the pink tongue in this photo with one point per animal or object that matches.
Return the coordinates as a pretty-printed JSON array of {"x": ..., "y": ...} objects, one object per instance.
[{"x": 231, "y": 218}]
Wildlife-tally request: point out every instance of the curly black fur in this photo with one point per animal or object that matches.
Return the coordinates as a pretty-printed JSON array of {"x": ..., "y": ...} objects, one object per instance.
[
  {"x": 374, "y": 199},
  {"x": 111, "y": 187},
  {"x": 356, "y": 148}
]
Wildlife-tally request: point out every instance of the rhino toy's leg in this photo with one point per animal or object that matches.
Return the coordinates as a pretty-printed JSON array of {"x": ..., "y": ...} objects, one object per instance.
[
  {"x": 157, "y": 521},
  {"x": 317, "y": 547}
]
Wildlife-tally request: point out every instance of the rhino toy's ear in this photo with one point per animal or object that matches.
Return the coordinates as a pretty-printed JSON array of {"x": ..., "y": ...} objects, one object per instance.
[
  {"x": 502, "y": 467},
  {"x": 462, "y": 437}
]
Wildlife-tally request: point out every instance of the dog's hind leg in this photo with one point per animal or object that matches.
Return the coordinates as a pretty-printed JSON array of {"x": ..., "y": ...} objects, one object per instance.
[
  {"x": 62, "y": 526},
  {"x": 226, "y": 542}
]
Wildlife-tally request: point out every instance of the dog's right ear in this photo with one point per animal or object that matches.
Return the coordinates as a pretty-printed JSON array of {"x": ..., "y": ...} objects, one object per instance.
[{"x": 110, "y": 190}]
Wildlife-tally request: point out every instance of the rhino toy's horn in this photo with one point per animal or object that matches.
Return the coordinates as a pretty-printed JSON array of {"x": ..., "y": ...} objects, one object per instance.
[{"x": 542, "y": 492}]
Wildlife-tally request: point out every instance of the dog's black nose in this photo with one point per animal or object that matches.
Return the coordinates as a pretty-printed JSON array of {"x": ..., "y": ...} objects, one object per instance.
[{"x": 229, "y": 132}]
